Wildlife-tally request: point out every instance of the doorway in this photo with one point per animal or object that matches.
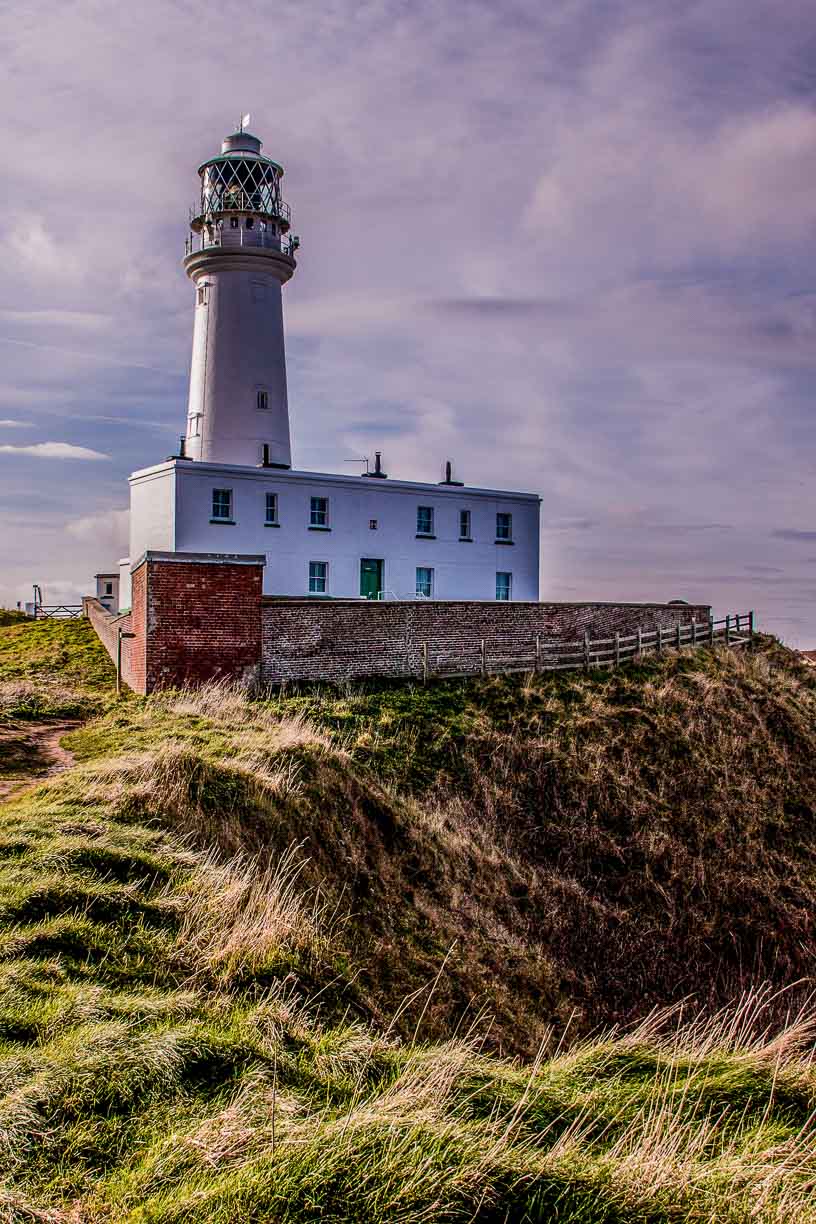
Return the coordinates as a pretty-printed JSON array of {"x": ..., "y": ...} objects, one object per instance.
[{"x": 371, "y": 578}]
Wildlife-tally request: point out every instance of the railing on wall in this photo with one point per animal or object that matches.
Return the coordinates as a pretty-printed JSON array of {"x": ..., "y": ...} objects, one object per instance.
[{"x": 550, "y": 654}]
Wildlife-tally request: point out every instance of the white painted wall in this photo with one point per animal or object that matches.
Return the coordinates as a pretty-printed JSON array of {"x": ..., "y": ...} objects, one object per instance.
[
  {"x": 238, "y": 350},
  {"x": 461, "y": 570},
  {"x": 152, "y": 512},
  {"x": 125, "y": 585}
]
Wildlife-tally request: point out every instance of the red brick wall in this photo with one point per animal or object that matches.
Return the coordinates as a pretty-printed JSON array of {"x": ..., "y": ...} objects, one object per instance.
[
  {"x": 107, "y": 626},
  {"x": 199, "y": 619},
  {"x": 334, "y": 640},
  {"x": 203, "y": 621}
]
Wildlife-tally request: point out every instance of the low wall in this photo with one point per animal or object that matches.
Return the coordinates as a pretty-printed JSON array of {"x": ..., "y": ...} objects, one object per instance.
[
  {"x": 107, "y": 625},
  {"x": 197, "y": 617},
  {"x": 345, "y": 640}
]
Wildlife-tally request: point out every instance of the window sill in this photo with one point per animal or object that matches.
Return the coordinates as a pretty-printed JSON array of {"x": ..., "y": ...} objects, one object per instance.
[
  {"x": 311, "y": 528},
  {"x": 425, "y": 535},
  {"x": 509, "y": 543},
  {"x": 466, "y": 539},
  {"x": 271, "y": 524},
  {"x": 224, "y": 522}
]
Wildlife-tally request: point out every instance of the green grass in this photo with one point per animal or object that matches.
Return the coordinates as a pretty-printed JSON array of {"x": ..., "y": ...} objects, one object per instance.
[{"x": 266, "y": 959}]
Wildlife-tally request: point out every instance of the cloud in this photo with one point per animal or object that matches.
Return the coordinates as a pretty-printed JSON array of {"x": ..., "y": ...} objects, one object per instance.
[
  {"x": 793, "y": 533},
  {"x": 108, "y": 530},
  {"x": 9, "y": 424},
  {"x": 54, "y": 450}
]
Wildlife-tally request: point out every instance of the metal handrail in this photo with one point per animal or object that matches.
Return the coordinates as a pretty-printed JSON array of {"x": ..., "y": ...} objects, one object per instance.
[{"x": 241, "y": 202}]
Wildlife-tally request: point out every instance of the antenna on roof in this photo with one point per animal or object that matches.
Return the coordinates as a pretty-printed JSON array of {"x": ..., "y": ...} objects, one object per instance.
[
  {"x": 363, "y": 460},
  {"x": 244, "y": 121}
]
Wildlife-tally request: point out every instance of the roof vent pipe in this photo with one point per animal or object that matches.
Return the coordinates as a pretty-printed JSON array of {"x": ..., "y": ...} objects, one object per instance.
[
  {"x": 378, "y": 472},
  {"x": 449, "y": 475}
]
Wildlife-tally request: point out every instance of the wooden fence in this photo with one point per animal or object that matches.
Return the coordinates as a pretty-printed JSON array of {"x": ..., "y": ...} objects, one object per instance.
[{"x": 550, "y": 654}]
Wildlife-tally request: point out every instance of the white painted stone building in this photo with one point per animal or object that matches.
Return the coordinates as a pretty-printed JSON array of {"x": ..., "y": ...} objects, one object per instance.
[{"x": 233, "y": 489}]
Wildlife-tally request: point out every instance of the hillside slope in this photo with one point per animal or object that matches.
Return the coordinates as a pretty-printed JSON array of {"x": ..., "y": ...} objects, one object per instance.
[{"x": 229, "y": 933}]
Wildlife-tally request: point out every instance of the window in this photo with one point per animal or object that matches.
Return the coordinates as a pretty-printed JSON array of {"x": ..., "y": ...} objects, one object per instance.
[
  {"x": 250, "y": 222},
  {"x": 504, "y": 527},
  {"x": 222, "y": 505},
  {"x": 464, "y": 524},
  {"x": 319, "y": 512},
  {"x": 372, "y": 524},
  {"x": 271, "y": 508},
  {"x": 425, "y": 520},
  {"x": 195, "y": 425},
  {"x": 202, "y": 295},
  {"x": 262, "y": 400},
  {"x": 318, "y": 575},
  {"x": 504, "y": 584},
  {"x": 234, "y": 222},
  {"x": 424, "y": 582},
  {"x": 108, "y": 588}
]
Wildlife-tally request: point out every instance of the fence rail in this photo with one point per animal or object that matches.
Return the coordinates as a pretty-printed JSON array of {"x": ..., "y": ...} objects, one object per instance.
[
  {"x": 550, "y": 654},
  {"x": 57, "y": 611}
]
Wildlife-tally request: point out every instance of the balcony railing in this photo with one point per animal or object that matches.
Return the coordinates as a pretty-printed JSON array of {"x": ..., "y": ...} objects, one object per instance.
[{"x": 232, "y": 239}]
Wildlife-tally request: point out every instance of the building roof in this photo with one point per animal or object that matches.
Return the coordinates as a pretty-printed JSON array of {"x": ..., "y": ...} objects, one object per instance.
[{"x": 438, "y": 489}]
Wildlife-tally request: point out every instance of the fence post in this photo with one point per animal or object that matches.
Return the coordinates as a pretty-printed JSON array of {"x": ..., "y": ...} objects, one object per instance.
[
  {"x": 659, "y": 639},
  {"x": 728, "y": 629},
  {"x": 679, "y": 636},
  {"x": 640, "y": 643},
  {"x": 751, "y": 630},
  {"x": 738, "y": 623},
  {"x": 424, "y": 662},
  {"x": 694, "y": 632},
  {"x": 482, "y": 661},
  {"x": 586, "y": 650},
  {"x": 617, "y": 649},
  {"x": 711, "y": 630},
  {"x": 538, "y": 652}
]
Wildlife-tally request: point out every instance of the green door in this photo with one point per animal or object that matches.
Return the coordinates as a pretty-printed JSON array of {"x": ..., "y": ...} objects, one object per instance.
[{"x": 371, "y": 576}]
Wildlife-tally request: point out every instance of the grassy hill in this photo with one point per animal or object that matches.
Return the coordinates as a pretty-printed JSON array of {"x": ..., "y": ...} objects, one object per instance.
[{"x": 355, "y": 955}]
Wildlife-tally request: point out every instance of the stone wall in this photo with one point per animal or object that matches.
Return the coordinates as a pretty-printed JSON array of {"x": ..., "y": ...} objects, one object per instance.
[
  {"x": 200, "y": 616},
  {"x": 339, "y": 640}
]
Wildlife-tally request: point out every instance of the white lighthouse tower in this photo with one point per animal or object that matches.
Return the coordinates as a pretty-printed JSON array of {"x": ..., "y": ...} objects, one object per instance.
[
  {"x": 239, "y": 257},
  {"x": 323, "y": 534}
]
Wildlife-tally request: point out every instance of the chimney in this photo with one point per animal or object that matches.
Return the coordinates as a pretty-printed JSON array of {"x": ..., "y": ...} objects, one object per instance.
[
  {"x": 378, "y": 473},
  {"x": 449, "y": 476}
]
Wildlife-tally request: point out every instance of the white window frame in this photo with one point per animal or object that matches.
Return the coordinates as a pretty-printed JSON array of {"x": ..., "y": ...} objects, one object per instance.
[
  {"x": 504, "y": 598},
  {"x": 504, "y": 530},
  {"x": 195, "y": 425},
  {"x": 318, "y": 517},
  {"x": 425, "y": 512},
  {"x": 324, "y": 578},
  {"x": 273, "y": 518},
  {"x": 465, "y": 516},
  {"x": 262, "y": 399},
  {"x": 422, "y": 593},
  {"x": 218, "y": 517}
]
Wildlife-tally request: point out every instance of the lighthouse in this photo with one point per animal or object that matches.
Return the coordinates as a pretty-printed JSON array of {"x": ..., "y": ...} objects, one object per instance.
[
  {"x": 239, "y": 256},
  {"x": 233, "y": 492}
]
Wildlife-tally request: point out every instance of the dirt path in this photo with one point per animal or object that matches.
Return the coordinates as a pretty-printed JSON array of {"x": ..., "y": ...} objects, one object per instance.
[{"x": 42, "y": 749}]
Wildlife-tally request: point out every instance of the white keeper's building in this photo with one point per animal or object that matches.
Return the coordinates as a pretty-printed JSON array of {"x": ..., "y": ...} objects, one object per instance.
[{"x": 233, "y": 489}]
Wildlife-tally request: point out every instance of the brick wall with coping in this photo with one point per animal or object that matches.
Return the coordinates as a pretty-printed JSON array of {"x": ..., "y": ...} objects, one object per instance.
[
  {"x": 199, "y": 617},
  {"x": 342, "y": 640},
  {"x": 107, "y": 625}
]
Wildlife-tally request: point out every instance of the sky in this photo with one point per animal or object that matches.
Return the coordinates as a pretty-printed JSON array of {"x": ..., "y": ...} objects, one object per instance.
[{"x": 569, "y": 246}]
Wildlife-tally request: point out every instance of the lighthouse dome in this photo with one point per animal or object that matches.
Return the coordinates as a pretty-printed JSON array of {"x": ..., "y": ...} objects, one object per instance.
[{"x": 241, "y": 142}]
